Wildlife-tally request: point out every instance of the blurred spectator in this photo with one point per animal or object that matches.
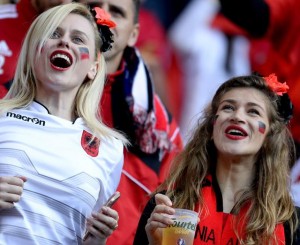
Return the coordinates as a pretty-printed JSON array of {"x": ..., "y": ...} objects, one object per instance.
[
  {"x": 167, "y": 11},
  {"x": 275, "y": 46},
  {"x": 161, "y": 59},
  {"x": 166, "y": 65},
  {"x": 15, "y": 19},
  {"x": 208, "y": 56}
]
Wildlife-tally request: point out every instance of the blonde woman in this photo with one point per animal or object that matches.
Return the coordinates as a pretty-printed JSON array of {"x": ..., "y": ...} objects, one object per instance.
[{"x": 58, "y": 162}]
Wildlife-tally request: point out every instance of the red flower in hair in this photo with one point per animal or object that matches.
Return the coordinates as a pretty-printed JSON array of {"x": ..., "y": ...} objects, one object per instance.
[
  {"x": 103, "y": 18},
  {"x": 277, "y": 87}
]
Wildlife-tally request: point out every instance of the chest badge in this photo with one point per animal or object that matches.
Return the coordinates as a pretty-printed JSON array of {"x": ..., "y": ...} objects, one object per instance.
[{"x": 90, "y": 147}]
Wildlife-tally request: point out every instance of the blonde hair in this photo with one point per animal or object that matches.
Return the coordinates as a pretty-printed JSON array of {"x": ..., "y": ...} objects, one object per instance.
[
  {"x": 269, "y": 194},
  {"x": 24, "y": 89}
]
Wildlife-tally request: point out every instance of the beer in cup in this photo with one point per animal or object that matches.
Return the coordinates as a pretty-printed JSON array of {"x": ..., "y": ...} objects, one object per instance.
[{"x": 182, "y": 231}]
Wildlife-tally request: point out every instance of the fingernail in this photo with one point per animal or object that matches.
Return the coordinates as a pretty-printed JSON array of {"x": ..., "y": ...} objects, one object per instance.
[
  {"x": 94, "y": 214},
  {"x": 171, "y": 222}
]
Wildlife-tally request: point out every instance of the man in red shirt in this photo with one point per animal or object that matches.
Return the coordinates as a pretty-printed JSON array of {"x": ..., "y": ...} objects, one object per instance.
[
  {"x": 130, "y": 105},
  {"x": 15, "y": 19}
]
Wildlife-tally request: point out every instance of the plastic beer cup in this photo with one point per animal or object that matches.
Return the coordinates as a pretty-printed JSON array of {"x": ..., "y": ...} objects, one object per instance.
[{"x": 182, "y": 231}]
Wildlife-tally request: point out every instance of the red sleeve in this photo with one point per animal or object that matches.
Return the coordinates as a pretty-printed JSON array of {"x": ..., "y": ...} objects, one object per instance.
[
  {"x": 3, "y": 91},
  {"x": 26, "y": 12},
  {"x": 13, "y": 31},
  {"x": 280, "y": 11}
]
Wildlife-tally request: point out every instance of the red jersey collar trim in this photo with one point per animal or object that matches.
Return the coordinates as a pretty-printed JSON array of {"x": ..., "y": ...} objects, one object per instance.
[{"x": 112, "y": 77}]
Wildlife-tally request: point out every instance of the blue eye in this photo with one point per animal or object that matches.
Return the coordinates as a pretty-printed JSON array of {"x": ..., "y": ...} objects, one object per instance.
[
  {"x": 78, "y": 40},
  {"x": 55, "y": 35}
]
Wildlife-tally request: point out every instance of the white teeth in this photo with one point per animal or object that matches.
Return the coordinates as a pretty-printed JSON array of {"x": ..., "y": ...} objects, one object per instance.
[
  {"x": 234, "y": 131},
  {"x": 62, "y": 56}
]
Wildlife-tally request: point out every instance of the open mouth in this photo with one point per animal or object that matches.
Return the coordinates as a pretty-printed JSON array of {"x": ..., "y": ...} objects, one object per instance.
[
  {"x": 236, "y": 132},
  {"x": 61, "y": 60}
]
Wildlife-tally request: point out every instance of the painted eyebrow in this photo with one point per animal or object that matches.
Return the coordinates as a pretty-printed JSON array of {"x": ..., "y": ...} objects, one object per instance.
[{"x": 249, "y": 103}]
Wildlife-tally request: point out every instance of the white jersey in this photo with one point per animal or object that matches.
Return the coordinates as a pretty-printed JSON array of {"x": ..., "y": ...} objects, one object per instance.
[{"x": 66, "y": 178}]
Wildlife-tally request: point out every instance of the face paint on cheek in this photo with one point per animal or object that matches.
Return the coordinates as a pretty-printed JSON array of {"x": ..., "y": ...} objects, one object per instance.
[
  {"x": 84, "y": 53},
  {"x": 261, "y": 127}
]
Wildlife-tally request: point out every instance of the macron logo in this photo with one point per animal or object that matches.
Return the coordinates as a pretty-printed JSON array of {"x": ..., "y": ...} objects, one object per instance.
[{"x": 26, "y": 119}]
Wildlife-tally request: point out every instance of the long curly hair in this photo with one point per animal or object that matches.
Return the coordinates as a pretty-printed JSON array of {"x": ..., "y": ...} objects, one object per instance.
[{"x": 269, "y": 193}]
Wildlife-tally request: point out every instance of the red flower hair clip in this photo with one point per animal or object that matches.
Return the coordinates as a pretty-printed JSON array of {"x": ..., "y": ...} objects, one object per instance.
[
  {"x": 276, "y": 86},
  {"x": 104, "y": 23},
  {"x": 103, "y": 18}
]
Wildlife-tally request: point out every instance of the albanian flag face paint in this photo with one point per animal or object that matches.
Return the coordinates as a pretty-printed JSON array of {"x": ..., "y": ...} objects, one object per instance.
[
  {"x": 261, "y": 127},
  {"x": 84, "y": 53}
]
